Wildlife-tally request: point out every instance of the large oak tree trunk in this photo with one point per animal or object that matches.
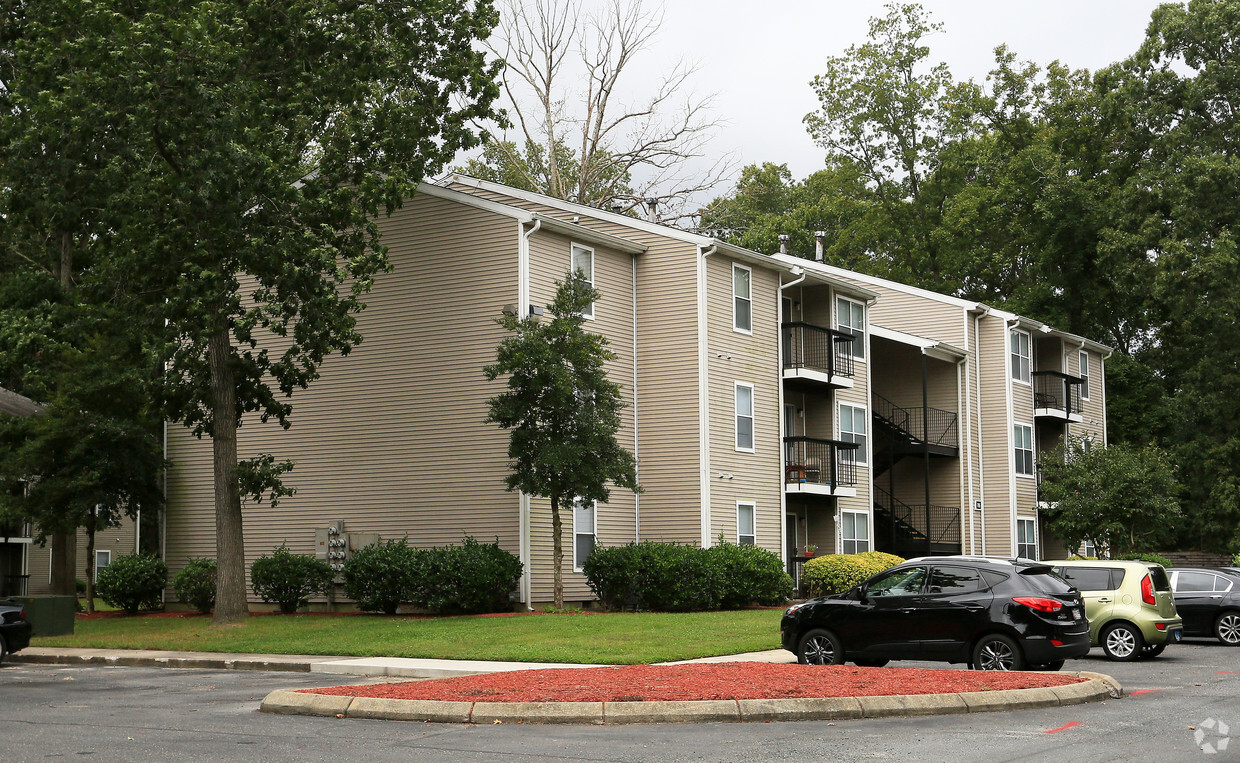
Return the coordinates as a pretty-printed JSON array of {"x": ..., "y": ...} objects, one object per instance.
[
  {"x": 230, "y": 599},
  {"x": 64, "y": 564},
  {"x": 557, "y": 554}
]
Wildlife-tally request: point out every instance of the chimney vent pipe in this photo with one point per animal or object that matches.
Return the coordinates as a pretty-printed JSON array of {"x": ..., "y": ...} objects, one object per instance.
[
  {"x": 783, "y": 243},
  {"x": 819, "y": 244}
]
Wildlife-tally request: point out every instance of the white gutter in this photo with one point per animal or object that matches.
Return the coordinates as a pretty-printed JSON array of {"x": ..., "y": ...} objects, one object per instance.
[
  {"x": 704, "y": 394},
  {"x": 523, "y": 500},
  {"x": 779, "y": 374},
  {"x": 637, "y": 497},
  {"x": 981, "y": 443}
]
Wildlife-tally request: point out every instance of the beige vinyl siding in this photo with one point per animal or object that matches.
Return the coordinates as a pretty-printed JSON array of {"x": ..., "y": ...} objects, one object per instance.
[
  {"x": 613, "y": 318},
  {"x": 917, "y": 315},
  {"x": 39, "y": 567},
  {"x": 1093, "y": 410},
  {"x": 996, "y": 435},
  {"x": 391, "y": 438},
  {"x": 119, "y": 540},
  {"x": 734, "y": 357}
]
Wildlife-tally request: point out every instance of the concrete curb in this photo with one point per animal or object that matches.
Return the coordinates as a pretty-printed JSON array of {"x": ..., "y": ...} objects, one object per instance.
[
  {"x": 156, "y": 659},
  {"x": 1097, "y": 688}
]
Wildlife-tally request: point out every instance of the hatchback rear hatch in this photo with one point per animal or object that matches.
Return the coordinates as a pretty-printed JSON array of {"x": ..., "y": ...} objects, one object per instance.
[{"x": 1164, "y": 600}]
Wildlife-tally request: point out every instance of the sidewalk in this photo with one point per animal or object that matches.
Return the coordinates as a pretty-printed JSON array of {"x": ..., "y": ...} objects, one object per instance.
[{"x": 375, "y": 667}]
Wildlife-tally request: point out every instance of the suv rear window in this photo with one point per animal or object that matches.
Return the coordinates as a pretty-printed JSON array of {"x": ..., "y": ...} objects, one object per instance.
[
  {"x": 1093, "y": 578},
  {"x": 1048, "y": 582},
  {"x": 1159, "y": 575}
]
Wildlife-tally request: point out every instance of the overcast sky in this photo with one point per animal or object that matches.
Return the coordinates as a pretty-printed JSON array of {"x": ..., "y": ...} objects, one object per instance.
[{"x": 758, "y": 57}]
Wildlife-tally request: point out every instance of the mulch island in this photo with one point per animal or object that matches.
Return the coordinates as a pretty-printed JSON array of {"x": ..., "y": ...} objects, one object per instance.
[{"x": 724, "y": 680}]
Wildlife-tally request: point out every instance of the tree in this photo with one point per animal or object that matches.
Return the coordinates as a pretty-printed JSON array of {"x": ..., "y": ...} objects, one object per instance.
[
  {"x": 1121, "y": 498},
  {"x": 243, "y": 152},
  {"x": 589, "y": 147},
  {"x": 562, "y": 411}
]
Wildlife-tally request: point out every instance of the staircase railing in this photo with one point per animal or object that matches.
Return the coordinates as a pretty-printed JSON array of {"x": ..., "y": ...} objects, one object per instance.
[{"x": 931, "y": 426}]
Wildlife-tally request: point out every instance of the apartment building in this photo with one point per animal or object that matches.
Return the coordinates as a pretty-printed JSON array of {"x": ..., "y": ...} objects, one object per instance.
[
  {"x": 767, "y": 396},
  {"x": 964, "y": 401}
]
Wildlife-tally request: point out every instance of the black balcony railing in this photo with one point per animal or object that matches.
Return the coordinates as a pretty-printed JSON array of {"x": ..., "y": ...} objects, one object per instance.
[
  {"x": 929, "y": 426},
  {"x": 915, "y": 530},
  {"x": 1057, "y": 391},
  {"x": 14, "y": 530},
  {"x": 820, "y": 462},
  {"x": 818, "y": 349}
]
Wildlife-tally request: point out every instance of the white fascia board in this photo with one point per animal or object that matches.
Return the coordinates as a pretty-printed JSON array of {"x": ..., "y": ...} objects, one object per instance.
[
  {"x": 850, "y": 275},
  {"x": 580, "y": 233},
  {"x": 814, "y": 272},
  {"x": 731, "y": 250},
  {"x": 931, "y": 347},
  {"x": 1038, "y": 327},
  {"x": 477, "y": 202}
]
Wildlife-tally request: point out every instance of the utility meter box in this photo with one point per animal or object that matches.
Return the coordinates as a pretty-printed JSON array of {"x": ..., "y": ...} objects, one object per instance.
[{"x": 49, "y": 615}]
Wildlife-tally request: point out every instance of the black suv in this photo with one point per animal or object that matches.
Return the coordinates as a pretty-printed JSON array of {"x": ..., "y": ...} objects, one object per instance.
[{"x": 994, "y": 614}]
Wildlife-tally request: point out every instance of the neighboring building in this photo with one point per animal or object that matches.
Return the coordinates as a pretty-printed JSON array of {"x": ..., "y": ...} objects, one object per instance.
[
  {"x": 750, "y": 382},
  {"x": 26, "y": 567}
]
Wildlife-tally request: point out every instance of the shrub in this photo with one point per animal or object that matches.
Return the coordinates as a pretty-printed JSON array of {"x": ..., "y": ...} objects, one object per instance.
[
  {"x": 133, "y": 582},
  {"x": 470, "y": 578},
  {"x": 195, "y": 584},
  {"x": 835, "y": 573},
  {"x": 751, "y": 575},
  {"x": 289, "y": 579},
  {"x": 382, "y": 575},
  {"x": 1146, "y": 556},
  {"x": 670, "y": 577},
  {"x": 80, "y": 586}
]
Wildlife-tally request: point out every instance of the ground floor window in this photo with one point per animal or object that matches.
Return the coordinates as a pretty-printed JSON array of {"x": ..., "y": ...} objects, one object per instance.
[
  {"x": 1089, "y": 550},
  {"x": 745, "y": 535},
  {"x": 1026, "y": 538},
  {"x": 102, "y": 559},
  {"x": 584, "y": 531},
  {"x": 855, "y": 532}
]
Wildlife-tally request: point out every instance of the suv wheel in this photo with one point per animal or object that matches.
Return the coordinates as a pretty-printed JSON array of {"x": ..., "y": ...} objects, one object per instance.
[
  {"x": 4, "y": 649},
  {"x": 1227, "y": 628},
  {"x": 1053, "y": 665},
  {"x": 820, "y": 647},
  {"x": 997, "y": 652},
  {"x": 1122, "y": 641}
]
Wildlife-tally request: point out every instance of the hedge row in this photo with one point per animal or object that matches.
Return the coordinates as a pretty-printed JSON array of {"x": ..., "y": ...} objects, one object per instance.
[
  {"x": 836, "y": 573},
  {"x": 670, "y": 577}
]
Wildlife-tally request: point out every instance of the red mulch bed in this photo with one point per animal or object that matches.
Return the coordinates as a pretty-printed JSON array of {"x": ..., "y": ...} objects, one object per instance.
[{"x": 703, "y": 681}]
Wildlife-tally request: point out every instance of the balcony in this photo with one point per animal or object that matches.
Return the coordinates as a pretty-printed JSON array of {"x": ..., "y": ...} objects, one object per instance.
[
  {"x": 820, "y": 467},
  {"x": 15, "y": 532},
  {"x": 817, "y": 355},
  {"x": 1057, "y": 396}
]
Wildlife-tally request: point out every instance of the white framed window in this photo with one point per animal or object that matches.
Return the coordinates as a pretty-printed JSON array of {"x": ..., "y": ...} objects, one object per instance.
[
  {"x": 585, "y": 531},
  {"x": 742, "y": 299},
  {"x": 1088, "y": 549},
  {"x": 1084, "y": 374},
  {"x": 744, "y": 417},
  {"x": 853, "y": 428},
  {"x": 745, "y": 535},
  {"x": 1026, "y": 538},
  {"x": 850, "y": 318},
  {"x": 854, "y": 532},
  {"x": 102, "y": 559},
  {"x": 1022, "y": 444},
  {"x": 583, "y": 263},
  {"x": 1022, "y": 357}
]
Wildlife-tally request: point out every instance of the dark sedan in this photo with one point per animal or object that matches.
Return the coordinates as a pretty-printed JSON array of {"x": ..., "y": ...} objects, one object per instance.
[
  {"x": 14, "y": 628},
  {"x": 1208, "y": 601},
  {"x": 994, "y": 614}
]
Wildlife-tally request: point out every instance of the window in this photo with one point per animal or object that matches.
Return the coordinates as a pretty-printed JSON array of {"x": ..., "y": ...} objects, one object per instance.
[
  {"x": 954, "y": 580},
  {"x": 1088, "y": 549},
  {"x": 583, "y": 263},
  {"x": 744, "y": 524},
  {"x": 584, "y": 530},
  {"x": 1084, "y": 373},
  {"x": 1092, "y": 578},
  {"x": 854, "y": 532},
  {"x": 1022, "y": 357},
  {"x": 853, "y": 429},
  {"x": 1026, "y": 538},
  {"x": 1194, "y": 581},
  {"x": 1022, "y": 438},
  {"x": 744, "y": 417},
  {"x": 742, "y": 299},
  {"x": 102, "y": 559},
  {"x": 850, "y": 318},
  {"x": 904, "y": 582}
]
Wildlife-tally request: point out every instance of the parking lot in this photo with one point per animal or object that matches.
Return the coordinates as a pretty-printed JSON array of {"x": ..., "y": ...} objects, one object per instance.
[{"x": 162, "y": 714}]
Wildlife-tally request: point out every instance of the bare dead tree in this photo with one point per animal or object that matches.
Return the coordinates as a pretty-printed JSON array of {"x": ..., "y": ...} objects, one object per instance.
[{"x": 582, "y": 142}]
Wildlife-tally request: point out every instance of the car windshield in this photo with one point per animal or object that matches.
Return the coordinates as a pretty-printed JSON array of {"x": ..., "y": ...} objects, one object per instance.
[{"x": 898, "y": 582}]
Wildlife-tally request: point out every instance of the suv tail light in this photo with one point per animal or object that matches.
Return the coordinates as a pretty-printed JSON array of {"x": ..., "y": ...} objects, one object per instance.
[
  {"x": 1147, "y": 590},
  {"x": 1039, "y": 603}
]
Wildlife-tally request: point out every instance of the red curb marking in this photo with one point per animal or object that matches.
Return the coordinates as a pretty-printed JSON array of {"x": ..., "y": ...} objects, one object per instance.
[
  {"x": 1061, "y": 728},
  {"x": 1141, "y": 691},
  {"x": 1227, "y": 672}
]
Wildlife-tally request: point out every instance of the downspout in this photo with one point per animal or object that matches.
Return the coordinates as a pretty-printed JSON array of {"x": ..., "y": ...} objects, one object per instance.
[
  {"x": 779, "y": 373},
  {"x": 637, "y": 497},
  {"x": 925, "y": 440},
  {"x": 981, "y": 445},
  {"x": 869, "y": 440},
  {"x": 1008, "y": 325},
  {"x": 1102, "y": 390},
  {"x": 962, "y": 382},
  {"x": 523, "y": 500},
  {"x": 703, "y": 394}
]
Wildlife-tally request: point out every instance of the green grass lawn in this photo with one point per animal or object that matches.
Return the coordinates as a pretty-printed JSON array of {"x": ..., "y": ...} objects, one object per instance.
[{"x": 612, "y": 638}]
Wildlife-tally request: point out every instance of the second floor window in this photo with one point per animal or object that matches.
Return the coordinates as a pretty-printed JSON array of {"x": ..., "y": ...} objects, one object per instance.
[
  {"x": 744, "y": 416},
  {"x": 742, "y": 299},
  {"x": 853, "y": 429},
  {"x": 583, "y": 263},
  {"x": 1084, "y": 373},
  {"x": 850, "y": 318},
  {"x": 1022, "y": 357},
  {"x": 1022, "y": 437}
]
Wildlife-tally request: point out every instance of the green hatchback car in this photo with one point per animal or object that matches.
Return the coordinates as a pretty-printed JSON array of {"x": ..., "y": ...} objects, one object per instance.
[{"x": 1130, "y": 606}]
